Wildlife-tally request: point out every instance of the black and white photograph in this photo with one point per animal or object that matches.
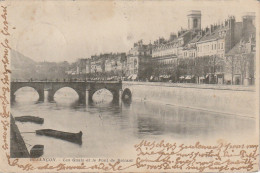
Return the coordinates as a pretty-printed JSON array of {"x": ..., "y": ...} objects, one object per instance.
[{"x": 116, "y": 83}]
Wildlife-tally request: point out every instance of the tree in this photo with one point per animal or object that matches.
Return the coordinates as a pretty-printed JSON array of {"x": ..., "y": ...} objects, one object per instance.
[{"x": 246, "y": 66}]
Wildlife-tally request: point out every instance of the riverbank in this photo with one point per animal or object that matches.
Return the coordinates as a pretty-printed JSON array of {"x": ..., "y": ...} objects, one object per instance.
[
  {"x": 18, "y": 148},
  {"x": 228, "y": 99}
]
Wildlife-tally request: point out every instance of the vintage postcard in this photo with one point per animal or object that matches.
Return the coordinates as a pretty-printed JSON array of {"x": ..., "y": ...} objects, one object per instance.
[{"x": 129, "y": 86}]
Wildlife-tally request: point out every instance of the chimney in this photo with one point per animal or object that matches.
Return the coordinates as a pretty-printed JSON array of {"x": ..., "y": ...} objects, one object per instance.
[
  {"x": 211, "y": 29},
  {"x": 172, "y": 37},
  {"x": 207, "y": 29},
  {"x": 215, "y": 26},
  {"x": 203, "y": 32},
  {"x": 179, "y": 33},
  {"x": 226, "y": 23}
]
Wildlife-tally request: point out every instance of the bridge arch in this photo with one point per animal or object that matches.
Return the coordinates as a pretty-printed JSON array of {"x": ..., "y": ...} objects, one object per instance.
[
  {"x": 67, "y": 87},
  {"x": 80, "y": 90},
  {"x": 30, "y": 87},
  {"x": 99, "y": 94},
  {"x": 114, "y": 92},
  {"x": 39, "y": 88},
  {"x": 126, "y": 95}
]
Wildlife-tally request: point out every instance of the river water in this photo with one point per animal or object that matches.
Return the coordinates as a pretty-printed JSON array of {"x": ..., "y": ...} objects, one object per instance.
[{"x": 109, "y": 128}]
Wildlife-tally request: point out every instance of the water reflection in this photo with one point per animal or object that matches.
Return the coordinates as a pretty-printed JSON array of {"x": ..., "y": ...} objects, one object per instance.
[
  {"x": 108, "y": 126},
  {"x": 177, "y": 121}
]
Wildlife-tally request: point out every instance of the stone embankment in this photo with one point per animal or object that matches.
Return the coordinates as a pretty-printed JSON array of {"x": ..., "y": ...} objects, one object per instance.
[
  {"x": 18, "y": 148},
  {"x": 236, "y": 100}
]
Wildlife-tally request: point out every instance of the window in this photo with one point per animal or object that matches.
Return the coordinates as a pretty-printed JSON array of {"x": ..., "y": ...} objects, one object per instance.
[
  {"x": 221, "y": 45},
  {"x": 195, "y": 23},
  {"x": 215, "y": 46}
]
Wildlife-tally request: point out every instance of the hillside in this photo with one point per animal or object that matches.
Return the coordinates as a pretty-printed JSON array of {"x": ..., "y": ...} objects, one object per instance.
[{"x": 22, "y": 67}]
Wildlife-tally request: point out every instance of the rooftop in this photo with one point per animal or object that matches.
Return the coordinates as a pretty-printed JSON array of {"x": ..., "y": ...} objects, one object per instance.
[{"x": 194, "y": 12}]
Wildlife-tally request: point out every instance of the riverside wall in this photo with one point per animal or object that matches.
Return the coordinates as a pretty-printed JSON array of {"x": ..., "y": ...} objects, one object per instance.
[
  {"x": 18, "y": 148},
  {"x": 237, "y": 100}
]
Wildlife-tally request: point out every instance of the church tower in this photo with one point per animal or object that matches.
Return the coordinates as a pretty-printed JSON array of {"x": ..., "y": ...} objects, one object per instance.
[{"x": 194, "y": 20}]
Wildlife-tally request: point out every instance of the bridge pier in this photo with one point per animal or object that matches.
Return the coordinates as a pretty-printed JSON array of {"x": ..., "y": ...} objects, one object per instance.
[
  {"x": 115, "y": 96},
  {"x": 82, "y": 96},
  {"x": 41, "y": 94},
  {"x": 51, "y": 95},
  {"x": 90, "y": 95}
]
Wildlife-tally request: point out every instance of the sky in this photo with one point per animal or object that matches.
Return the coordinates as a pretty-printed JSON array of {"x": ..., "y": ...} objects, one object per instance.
[{"x": 67, "y": 30}]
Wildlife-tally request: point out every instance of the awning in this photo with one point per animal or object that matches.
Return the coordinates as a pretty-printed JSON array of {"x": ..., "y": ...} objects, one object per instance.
[
  {"x": 129, "y": 77},
  {"x": 182, "y": 77},
  {"x": 134, "y": 76},
  {"x": 166, "y": 76},
  {"x": 188, "y": 77},
  {"x": 151, "y": 78},
  {"x": 202, "y": 77}
]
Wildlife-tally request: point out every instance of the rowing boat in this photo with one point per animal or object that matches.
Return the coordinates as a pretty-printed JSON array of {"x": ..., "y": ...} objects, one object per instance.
[
  {"x": 29, "y": 118},
  {"x": 36, "y": 151},
  {"x": 72, "y": 137}
]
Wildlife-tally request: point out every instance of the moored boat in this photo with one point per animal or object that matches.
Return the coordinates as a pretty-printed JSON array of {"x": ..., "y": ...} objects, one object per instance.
[
  {"x": 36, "y": 151},
  {"x": 29, "y": 118},
  {"x": 72, "y": 137}
]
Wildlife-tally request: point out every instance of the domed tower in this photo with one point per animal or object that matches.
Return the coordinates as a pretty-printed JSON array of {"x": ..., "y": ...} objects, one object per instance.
[{"x": 194, "y": 20}]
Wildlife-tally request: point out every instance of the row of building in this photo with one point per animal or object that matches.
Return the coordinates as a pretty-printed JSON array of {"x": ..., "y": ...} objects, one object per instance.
[{"x": 220, "y": 53}]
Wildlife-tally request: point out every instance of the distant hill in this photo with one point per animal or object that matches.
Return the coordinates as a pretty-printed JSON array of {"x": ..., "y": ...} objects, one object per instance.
[
  {"x": 22, "y": 67},
  {"x": 18, "y": 60}
]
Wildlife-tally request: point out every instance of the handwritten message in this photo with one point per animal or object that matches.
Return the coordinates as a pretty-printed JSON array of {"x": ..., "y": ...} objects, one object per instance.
[
  {"x": 161, "y": 156},
  {"x": 5, "y": 71},
  {"x": 197, "y": 157}
]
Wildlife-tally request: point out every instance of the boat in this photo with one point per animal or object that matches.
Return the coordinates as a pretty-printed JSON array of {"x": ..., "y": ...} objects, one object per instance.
[
  {"x": 71, "y": 137},
  {"x": 29, "y": 118},
  {"x": 36, "y": 151}
]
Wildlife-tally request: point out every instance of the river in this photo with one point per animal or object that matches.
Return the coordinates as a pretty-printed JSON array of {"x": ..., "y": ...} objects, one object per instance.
[{"x": 109, "y": 128}]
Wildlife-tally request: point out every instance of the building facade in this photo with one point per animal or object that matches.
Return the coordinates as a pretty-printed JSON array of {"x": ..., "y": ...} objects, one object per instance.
[
  {"x": 203, "y": 55},
  {"x": 138, "y": 59}
]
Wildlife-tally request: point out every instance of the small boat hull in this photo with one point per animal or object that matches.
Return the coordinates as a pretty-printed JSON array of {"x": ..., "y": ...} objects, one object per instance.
[
  {"x": 71, "y": 137},
  {"x": 28, "y": 118},
  {"x": 36, "y": 151}
]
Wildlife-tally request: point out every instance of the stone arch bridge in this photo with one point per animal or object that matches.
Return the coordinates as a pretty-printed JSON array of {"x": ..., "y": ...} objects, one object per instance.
[{"x": 79, "y": 87}]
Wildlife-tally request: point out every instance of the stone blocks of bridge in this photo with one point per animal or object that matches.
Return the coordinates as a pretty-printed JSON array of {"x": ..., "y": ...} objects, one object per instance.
[
  {"x": 38, "y": 86},
  {"x": 41, "y": 95},
  {"x": 114, "y": 88},
  {"x": 115, "y": 94},
  {"x": 79, "y": 87}
]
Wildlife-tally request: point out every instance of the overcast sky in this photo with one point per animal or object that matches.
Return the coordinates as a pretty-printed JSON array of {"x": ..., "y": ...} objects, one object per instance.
[{"x": 66, "y": 31}]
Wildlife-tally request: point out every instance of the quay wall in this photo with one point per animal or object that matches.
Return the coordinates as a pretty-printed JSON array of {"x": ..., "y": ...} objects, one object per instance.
[
  {"x": 237, "y": 100},
  {"x": 18, "y": 148}
]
